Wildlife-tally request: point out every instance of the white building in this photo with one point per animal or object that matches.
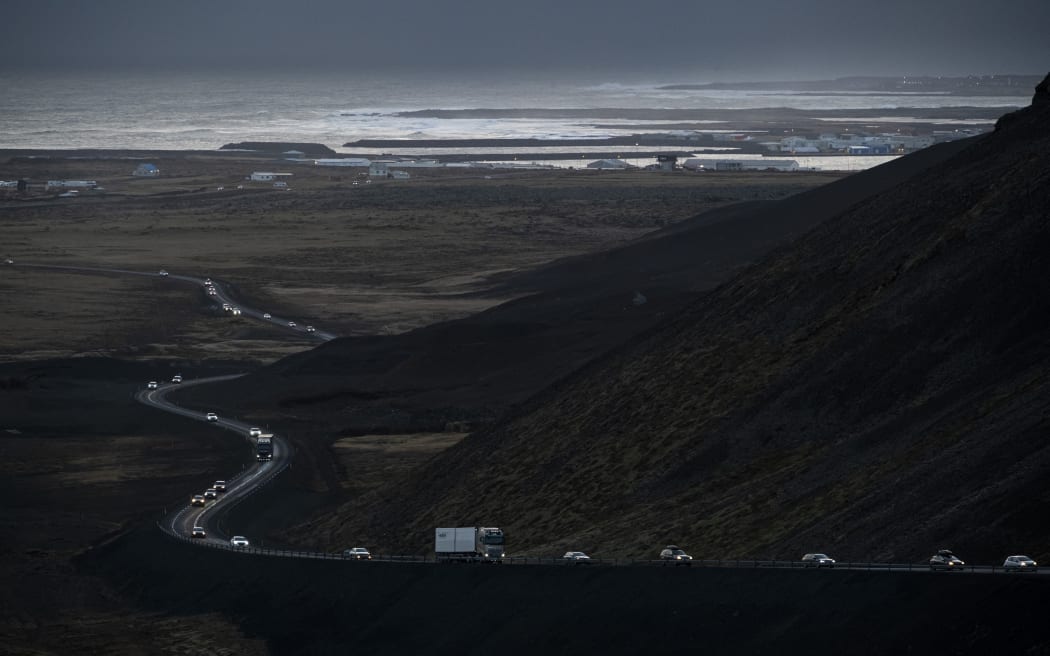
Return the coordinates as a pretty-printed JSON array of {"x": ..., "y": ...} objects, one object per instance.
[
  {"x": 343, "y": 161},
  {"x": 378, "y": 169},
  {"x": 754, "y": 165},
  {"x": 71, "y": 184},
  {"x": 266, "y": 176}
]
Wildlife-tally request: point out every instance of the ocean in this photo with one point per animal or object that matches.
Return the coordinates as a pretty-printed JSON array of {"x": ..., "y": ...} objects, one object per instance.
[{"x": 203, "y": 111}]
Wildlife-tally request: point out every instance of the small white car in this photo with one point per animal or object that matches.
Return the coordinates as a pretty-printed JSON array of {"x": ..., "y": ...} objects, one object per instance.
[
  {"x": 211, "y": 416},
  {"x": 151, "y": 385},
  {"x": 310, "y": 329},
  {"x": 177, "y": 378},
  {"x": 207, "y": 282},
  {"x": 198, "y": 500},
  {"x": 291, "y": 324},
  {"x": 212, "y": 292},
  {"x": 9, "y": 261},
  {"x": 254, "y": 431},
  {"x": 198, "y": 532},
  {"x": 219, "y": 486},
  {"x": 163, "y": 273},
  {"x": 211, "y": 494},
  {"x": 239, "y": 542},
  {"x": 1020, "y": 564},
  {"x": 226, "y": 307},
  {"x": 236, "y": 311},
  {"x": 267, "y": 316},
  {"x": 577, "y": 557},
  {"x": 357, "y": 553}
]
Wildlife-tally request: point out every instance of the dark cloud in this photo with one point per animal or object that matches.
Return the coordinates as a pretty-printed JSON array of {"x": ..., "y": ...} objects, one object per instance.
[{"x": 784, "y": 38}]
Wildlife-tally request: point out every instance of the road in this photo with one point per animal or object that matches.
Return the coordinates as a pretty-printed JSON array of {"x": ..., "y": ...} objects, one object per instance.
[
  {"x": 181, "y": 522},
  {"x": 223, "y": 294},
  {"x": 238, "y": 486}
]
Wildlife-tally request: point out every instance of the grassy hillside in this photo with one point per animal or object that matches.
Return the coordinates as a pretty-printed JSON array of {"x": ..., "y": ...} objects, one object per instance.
[{"x": 877, "y": 389}]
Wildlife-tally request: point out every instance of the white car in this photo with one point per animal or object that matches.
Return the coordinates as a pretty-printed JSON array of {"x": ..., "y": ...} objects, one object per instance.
[
  {"x": 151, "y": 385},
  {"x": 207, "y": 282},
  {"x": 357, "y": 553},
  {"x": 177, "y": 378},
  {"x": 254, "y": 432},
  {"x": 291, "y": 324},
  {"x": 577, "y": 557},
  {"x": 163, "y": 273},
  {"x": 211, "y": 494},
  {"x": 267, "y": 316},
  {"x": 226, "y": 307},
  {"x": 219, "y": 486},
  {"x": 310, "y": 329},
  {"x": 1020, "y": 564},
  {"x": 9, "y": 261},
  {"x": 198, "y": 532},
  {"x": 236, "y": 311},
  {"x": 211, "y": 416},
  {"x": 212, "y": 292},
  {"x": 198, "y": 500},
  {"x": 239, "y": 541}
]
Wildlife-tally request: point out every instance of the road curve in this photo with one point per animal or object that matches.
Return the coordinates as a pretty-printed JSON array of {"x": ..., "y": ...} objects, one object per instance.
[{"x": 239, "y": 486}]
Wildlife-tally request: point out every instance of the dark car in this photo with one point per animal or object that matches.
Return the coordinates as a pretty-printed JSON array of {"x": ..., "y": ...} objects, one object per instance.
[
  {"x": 211, "y": 494},
  {"x": 672, "y": 554},
  {"x": 945, "y": 560},
  {"x": 818, "y": 560},
  {"x": 198, "y": 532}
]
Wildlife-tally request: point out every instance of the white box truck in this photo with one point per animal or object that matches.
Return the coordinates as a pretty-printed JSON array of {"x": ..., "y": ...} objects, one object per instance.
[{"x": 469, "y": 543}]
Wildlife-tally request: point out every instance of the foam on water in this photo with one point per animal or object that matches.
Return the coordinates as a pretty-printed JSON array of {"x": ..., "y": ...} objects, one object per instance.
[{"x": 195, "y": 111}]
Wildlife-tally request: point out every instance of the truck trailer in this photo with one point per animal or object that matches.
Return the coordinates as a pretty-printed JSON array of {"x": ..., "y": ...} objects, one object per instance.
[
  {"x": 469, "y": 544},
  {"x": 264, "y": 447}
]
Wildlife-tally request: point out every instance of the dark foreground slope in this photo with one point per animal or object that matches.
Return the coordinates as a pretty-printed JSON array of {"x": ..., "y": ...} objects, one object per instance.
[
  {"x": 877, "y": 389},
  {"x": 334, "y": 607},
  {"x": 568, "y": 312}
]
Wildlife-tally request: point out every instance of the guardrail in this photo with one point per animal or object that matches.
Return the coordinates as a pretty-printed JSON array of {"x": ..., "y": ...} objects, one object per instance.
[{"x": 593, "y": 562}]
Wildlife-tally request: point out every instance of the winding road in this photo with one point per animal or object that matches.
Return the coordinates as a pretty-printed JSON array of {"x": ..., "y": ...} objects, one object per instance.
[{"x": 181, "y": 522}]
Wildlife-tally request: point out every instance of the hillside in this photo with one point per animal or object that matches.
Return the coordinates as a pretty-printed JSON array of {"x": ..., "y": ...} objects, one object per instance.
[
  {"x": 565, "y": 314},
  {"x": 876, "y": 389}
]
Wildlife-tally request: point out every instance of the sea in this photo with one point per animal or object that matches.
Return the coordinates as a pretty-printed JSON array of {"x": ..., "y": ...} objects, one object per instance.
[{"x": 204, "y": 110}]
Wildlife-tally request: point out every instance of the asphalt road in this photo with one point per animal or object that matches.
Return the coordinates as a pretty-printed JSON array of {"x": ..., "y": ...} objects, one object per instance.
[
  {"x": 181, "y": 522},
  {"x": 239, "y": 486},
  {"x": 222, "y": 295}
]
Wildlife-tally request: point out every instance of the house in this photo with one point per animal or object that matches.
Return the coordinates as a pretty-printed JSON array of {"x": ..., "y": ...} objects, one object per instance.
[
  {"x": 609, "y": 164},
  {"x": 378, "y": 169},
  {"x": 146, "y": 170},
  {"x": 400, "y": 175},
  {"x": 763, "y": 164}
]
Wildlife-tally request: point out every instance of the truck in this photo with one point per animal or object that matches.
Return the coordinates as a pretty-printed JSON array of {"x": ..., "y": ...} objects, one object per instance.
[
  {"x": 469, "y": 544},
  {"x": 264, "y": 447}
]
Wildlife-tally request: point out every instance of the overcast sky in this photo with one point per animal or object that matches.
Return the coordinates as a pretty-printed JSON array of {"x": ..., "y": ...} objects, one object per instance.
[{"x": 750, "y": 39}]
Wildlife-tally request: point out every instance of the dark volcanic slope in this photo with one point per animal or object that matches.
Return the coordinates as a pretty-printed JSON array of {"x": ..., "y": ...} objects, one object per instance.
[
  {"x": 877, "y": 389},
  {"x": 571, "y": 311}
]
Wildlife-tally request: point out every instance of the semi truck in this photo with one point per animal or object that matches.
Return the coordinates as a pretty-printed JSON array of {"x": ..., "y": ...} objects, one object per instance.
[
  {"x": 469, "y": 544},
  {"x": 264, "y": 447}
]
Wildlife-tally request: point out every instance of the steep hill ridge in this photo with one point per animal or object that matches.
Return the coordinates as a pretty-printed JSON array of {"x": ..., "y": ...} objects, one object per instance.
[{"x": 876, "y": 389}]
